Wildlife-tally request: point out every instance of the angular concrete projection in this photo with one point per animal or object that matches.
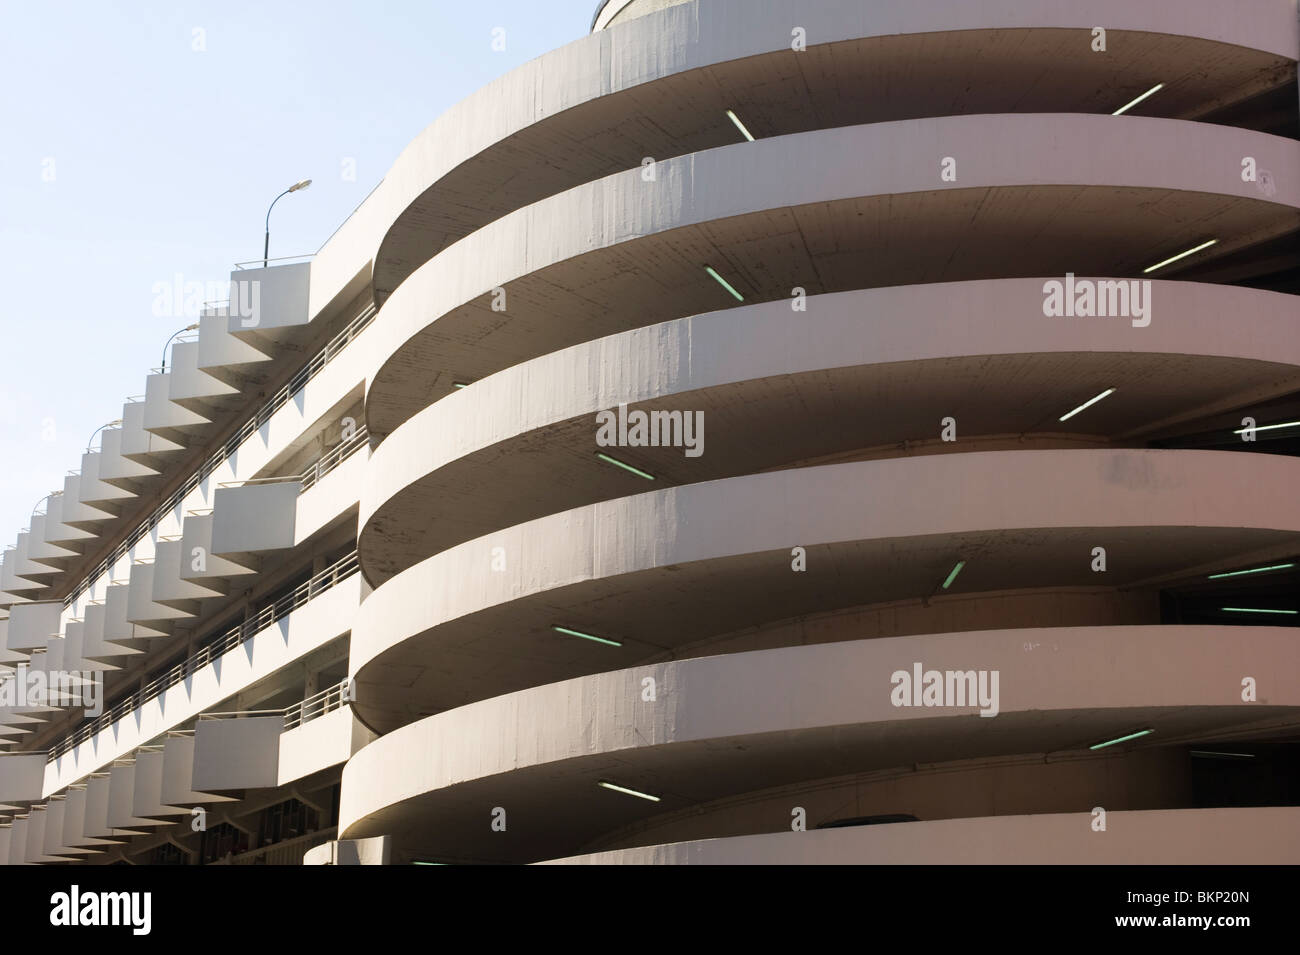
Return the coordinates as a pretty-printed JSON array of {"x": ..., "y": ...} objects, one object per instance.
[
  {"x": 146, "y": 801},
  {"x": 59, "y": 532},
  {"x": 26, "y": 569},
  {"x": 232, "y": 755},
  {"x": 328, "y": 740},
  {"x": 141, "y": 609},
  {"x": 195, "y": 390},
  {"x": 118, "y": 626},
  {"x": 18, "y": 842},
  {"x": 178, "y": 775},
  {"x": 121, "y": 799},
  {"x": 74, "y": 822},
  {"x": 120, "y": 471},
  {"x": 42, "y": 552},
  {"x": 224, "y": 357},
  {"x": 141, "y": 446},
  {"x": 31, "y": 625},
  {"x": 74, "y": 648},
  {"x": 167, "y": 419},
  {"x": 254, "y": 517},
  {"x": 35, "y": 854},
  {"x": 170, "y": 588},
  {"x": 94, "y": 646},
  {"x": 98, "y": 791},
  {"x": 200, "y": 563},
  {"x": 56, "y": 818},
  {"x": 7, "y": 656},
  {"x": 21, "y": 777},
  {"x": 12, "y": 584},
  {"x": 268, "y": 307},
  {"x": 99, "y": 501}
]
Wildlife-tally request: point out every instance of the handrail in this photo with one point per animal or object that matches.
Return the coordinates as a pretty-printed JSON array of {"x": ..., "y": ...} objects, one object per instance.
[
  {"x": 236, "y": 636},
  {"x": 296, "y": 714},
  {"x": 261, "y": 263},
  {"x": 326, "y": 463},
  {"x": 250, "y": 427},
  {"x": 326, "y": 701}
]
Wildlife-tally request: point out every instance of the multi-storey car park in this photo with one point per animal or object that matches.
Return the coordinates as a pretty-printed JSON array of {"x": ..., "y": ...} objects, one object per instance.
[{"x": 364, "y": 581}]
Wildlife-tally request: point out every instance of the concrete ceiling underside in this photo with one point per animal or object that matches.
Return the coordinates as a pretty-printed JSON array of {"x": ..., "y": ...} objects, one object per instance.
[
  {"x": 851, "y": 82},
  {"x": 788, "y": 421},
  {"x": 555, "y": 806},
  {"x": 659, "y": 612},
  {"x": 862, "y": 243}
]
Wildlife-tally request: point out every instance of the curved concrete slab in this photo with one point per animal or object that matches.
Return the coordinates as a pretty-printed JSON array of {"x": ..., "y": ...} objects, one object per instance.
[
  {"x": 664, "y": 570},
  {"x": 659, "y": 86},
  {"x": 1256, "y": 836},
  {"x": 741, "y": 722},
  {"x": 878, "y": 368},
  {"x": 831, "y": 210}
]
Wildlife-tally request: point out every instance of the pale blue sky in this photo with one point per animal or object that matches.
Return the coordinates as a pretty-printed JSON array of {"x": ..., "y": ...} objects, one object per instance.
[{"x": 127, "y": 156}]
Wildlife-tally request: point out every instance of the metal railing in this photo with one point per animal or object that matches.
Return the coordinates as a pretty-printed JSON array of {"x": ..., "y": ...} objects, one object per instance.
[
  {"x": 318, "y": 704},
  {"x": 326, "y": 463},
  {"x": 234, "y": 637},
  {"x": 287, "y": 852},
  {"x": 262, "y": 263},
  {"x": 231, "y": 445}
]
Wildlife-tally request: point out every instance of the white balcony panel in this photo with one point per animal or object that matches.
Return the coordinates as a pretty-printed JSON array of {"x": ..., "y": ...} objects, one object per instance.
[
  {"x": 20, "y": 776},
  {"x": 41, "y": 551},
  {"x": 199, "y": 561},
  {"x": 18, "y": 842},
  {"x": 27, "y": 574},
  {"x": 146, "y": 801},
  {"x": 95, "y": 648},
  {"x": 178, "y": 774},
  {"x": 121, "y": 796},
  {"x": 223, "y": 356},
  {"x": 34, "y": 853},
  {"x": 166, "y": 418},
  {"x": 117, "y": 618},
  {"x": 237, "y": 754},
  {"x": 330, "y": 497},
  {"x": 56, "y": 815},
  {"x": 327, "y": 616},
  {"x": 254, "y": 517},
  {"x": 118, "y": 470},
  {"x": 264, "y": 303},
  {"x": 328, "y": 740},
  {"x": 58, "y": 533},
  {"x": 32, "y": 624},
  {"x": 74, "y": 823},
  {"x": 141, "y": 445},
  {"x": 170, "y": 559},
  {"x": 141, "y": 608},
  {"x": 98, "y": 792},
  {"x": 93, "y": 494}
]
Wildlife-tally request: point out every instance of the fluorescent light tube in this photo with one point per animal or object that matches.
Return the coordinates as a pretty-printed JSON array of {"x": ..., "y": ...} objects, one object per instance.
[{"x": 1091, "y": 401}]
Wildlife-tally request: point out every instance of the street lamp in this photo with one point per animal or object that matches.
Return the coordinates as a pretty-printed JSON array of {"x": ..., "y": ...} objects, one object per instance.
[
  {"x": 112, "y": 424},
  {"x": 266, "y": 245},
  {"x": 187, "y": 328}
]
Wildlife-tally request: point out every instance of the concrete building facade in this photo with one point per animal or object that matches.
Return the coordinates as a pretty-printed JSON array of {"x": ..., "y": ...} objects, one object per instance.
[{"x": 806, "y": 431}]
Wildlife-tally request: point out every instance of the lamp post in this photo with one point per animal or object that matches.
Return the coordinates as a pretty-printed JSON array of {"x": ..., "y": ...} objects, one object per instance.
[
  {"x": 111, "y": 424},
  {"x": 187, "y": 328},
  {"x": 266, "y": 245}
]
